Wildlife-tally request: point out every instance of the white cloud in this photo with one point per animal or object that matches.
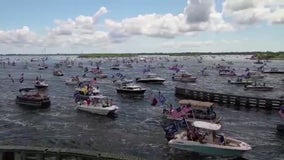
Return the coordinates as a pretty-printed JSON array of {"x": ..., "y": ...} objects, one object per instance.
[
  {"x": 197, "y": 16},
  {"x": 198, "y": 11},
  {"x": 20, "y": 37},
  {"x": 254, "y": 11}
]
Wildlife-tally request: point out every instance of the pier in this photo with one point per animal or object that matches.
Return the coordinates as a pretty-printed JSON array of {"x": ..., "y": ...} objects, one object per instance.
[
  {"x": 236, "y": 100},
  {"x": 40, "y": 153}
]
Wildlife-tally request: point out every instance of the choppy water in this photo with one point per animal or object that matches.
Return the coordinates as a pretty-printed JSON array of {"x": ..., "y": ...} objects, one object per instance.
[{"x": 137, "y": 129}]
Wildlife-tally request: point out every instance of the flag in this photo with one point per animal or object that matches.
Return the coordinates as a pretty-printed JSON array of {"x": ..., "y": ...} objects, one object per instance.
[
  {"x": 162, "y": 99},
  {"x": 21, "y": 80}
]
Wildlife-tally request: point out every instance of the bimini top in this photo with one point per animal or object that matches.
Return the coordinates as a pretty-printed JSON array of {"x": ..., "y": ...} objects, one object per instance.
[
  {"x": 206, "y": 125},
  {"x": 196, "y": 104}
]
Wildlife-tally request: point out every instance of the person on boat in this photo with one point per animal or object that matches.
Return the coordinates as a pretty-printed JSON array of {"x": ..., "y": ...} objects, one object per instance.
[
  {"x": 281, "y": 111},
  {"x": 195, "y": 134},
  {"x": 88, "y": 101},
  {"x": 222, "y": 139}
]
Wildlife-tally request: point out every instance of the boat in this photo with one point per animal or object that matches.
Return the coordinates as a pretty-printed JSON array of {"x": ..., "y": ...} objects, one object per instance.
[
  {"x": 240, "y": 81},
  {"x": 115, "y": 67},
  {"x": 150, "y": 78},
  {"x": 32, "y": 98},
  {"x": 181, "y": 74},
  {"x": 208, "y": 142},
  {"x": 40, "y": 84},
  {"x": 227, "y": 72},
  {"x": 85, "y": 92},
  {"x": 191, "y": 110},
  {"x": 72, "y": 81},
  {"x": 259, "y": 87},
  {"x": 131, "y": 89},
  {"x": 255, "y": 75},
  {"x": 122, "y": 82},
  {"x": 258, "y": 62},
  {"x": 273, "y": 71},
  {"x": 99, "y": 104},
  {"x": 58, "y": 72}
]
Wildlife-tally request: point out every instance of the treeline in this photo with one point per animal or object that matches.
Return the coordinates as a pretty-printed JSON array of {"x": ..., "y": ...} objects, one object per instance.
[{"x": 257, "y": 54}]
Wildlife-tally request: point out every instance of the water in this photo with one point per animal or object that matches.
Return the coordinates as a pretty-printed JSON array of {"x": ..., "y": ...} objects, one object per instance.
[{"x": 137, "y": 129}]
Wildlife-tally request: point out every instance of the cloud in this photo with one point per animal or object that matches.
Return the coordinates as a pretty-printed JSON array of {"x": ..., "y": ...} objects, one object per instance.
[
  {"x": 79, "y": 31},
  {"x": 197, "y": 16},
  {"x": 19, "y": 37},
  {"x": 198, "y": 11},
  {"x": 247, "y": 12}
]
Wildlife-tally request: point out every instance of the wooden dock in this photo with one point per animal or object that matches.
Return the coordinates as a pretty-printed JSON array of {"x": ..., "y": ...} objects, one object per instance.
[
  {"x": 40, "y": 153},
  {"x": 236, "y": 100}
]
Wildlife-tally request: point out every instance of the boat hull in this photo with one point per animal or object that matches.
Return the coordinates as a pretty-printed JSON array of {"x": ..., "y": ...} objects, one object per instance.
[
  {"x": 208, "y": 149},
  {"x": 124, "y": 91},
  {"x": 98, "y": 110},
  {"x": 150, "y": 81},
  {"x": 45, "y": 103}
]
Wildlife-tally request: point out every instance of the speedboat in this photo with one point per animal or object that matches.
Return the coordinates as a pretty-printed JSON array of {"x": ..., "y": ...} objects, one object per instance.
[
  {"x": 85, "y": 92},
  {"x": 72, "y": 81},
  {"x": 208, "y": 142},
  {"x": 226, "y": 72},
  {"x": 40, "y": 84},
  {"x": 99, "y": 104},
  {"x": 58, "y": 72},
  {"x": 32, "y": 98},
  {"x": 258, "y": 87},
  {"x": 131, "y": 89},
  {"x": 240, "y": 81},
  {"x": 191, "y": 110},
  {"x": 122, "y": 82},
  {"x": 273, "y": 71},
  {"x": 150, "y": 78},
  {"x": 184, "y": 76}
]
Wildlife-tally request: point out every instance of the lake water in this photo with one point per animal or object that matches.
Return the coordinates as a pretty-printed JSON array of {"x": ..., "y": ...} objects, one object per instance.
[{"x": 137, "y": 130}]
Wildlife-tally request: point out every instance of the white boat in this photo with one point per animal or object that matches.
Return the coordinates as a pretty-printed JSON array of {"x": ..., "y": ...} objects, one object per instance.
[
  {"x": 122, "y": 82},
  {"x": 72, "y": 81},
  {"x": 100, "y": 105},
  {"x": 150, "y": 78},
  {"x": 181, "y": 74},
  {"x": 40, "y": 84},
  {"x": 240, "y": 81},
  {"x": 131, "y": 89},
  {"x": 208, "y": 142},
  {"x": 259, "y": 87},
  {"x": 58, "y": 72}
]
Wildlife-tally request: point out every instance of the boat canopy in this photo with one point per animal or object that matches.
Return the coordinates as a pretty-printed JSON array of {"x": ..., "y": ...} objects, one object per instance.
[
  {"x": 206, "y": 125},
  {"x": 196, "y": 104}
]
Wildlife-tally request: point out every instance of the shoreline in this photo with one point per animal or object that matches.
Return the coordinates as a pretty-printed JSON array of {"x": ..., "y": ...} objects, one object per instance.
[{"x": 257, "y": 55}]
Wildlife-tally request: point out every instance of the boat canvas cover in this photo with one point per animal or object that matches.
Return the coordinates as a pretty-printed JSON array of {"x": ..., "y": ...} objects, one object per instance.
[
  {"x": 197, "y": 104},
  {"x": 206, "y": 125}
]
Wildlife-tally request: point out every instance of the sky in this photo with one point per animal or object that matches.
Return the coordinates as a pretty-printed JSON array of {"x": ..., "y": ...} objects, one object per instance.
[{"x": 140, "y": 26}]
